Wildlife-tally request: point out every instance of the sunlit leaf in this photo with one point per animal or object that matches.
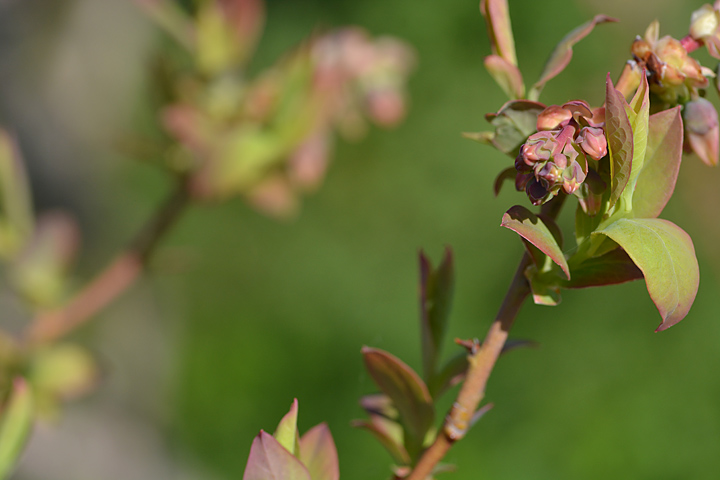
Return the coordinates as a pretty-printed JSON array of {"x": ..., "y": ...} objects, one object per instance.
[
  {"x": 407, "y": 391},
  {"x": 318, "y": 453},
  {"x": 620, "y": 141},
  {"x": 497, "y": 17},
  {"x": 436, "y": 290},
  {"x": 286, "y": 432},
  {"x": 506, "y": 75},
  {"x": 526, "y": 224},
  {"x": 610, "y": 269},
  {"x": 656, "y": 182},
  {"x": 561, "y": 55},
  {"x": 269, "y": 460},
  {"x": 666, "y": 256},
  {"x": 16, "y": 422},
  {"x": 638, "y": 116}
]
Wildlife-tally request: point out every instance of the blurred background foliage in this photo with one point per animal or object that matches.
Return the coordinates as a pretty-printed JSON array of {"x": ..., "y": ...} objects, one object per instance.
[{"x": 240, "y": 313}]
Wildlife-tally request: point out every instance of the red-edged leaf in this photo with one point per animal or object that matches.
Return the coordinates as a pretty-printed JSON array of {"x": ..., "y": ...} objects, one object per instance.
[
  {"x": 666, "y": 256},
  {"x": 656, "y": 182},
  {"x": 318, "y": 453},
  {"x": 620, "y": 141},
  {"x": 560, "y": 57},
  {"x": 388, "y": 433},
  {"x": 506, "y": 75},
  {"x": 408, "y": 393},
  {"x": 286, "y": 432},
  {"x": 529, "y": 226},
  {"x": 610, "y": 269},
  {"x": 497, "y": 17},
  {"x": 436, "y": 290},
  {"x": 506, "y": 175}
]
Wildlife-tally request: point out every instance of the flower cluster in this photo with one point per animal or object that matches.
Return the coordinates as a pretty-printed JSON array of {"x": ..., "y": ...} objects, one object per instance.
[
  {"x": 673, "y": 75},
  {"x": 556, "y": 157}
]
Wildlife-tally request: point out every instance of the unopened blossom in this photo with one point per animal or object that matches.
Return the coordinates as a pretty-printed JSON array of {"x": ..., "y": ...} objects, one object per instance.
[
  {"x": 705, "y": 27},
  {"x": 556, "y": 158},
  {"x": 673, "y": 75},
  {"x": 702, "y": 133}
]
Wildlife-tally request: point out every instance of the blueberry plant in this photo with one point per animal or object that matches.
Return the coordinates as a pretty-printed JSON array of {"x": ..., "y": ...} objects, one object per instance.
[{"x": 268, "y": 138}]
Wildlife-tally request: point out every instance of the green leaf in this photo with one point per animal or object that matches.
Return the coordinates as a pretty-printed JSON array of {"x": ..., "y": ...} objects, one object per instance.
[
  {"x": 499, "y": 29},
  {"x": 449, "y": 375},
  {"x": 561, "y": 55},
  {"x": 610, "y": 269},
  {"x": 529, "y": 226},
  {"x": 666, "y": 256},
  {"x": 269, "y": 460},
  {"x": 386, "y": 432},
  {"x": 318, "y": 453},
  {"x": 544, "y": 286},
  {"x": 638, "y": 112},
  {"x": 408, "y": 393},
  {"x": 436, "y": 291},
  {"x": 656, "y": 182},
  {"x": 514, "y": 123},
  {"x": 506, "y": 75},
  {"x": 16, "y": 217},
  {"x": 620, "y": 141},
  {"x": 17, "y": 419},
  {"x": 286, "y": 432}
]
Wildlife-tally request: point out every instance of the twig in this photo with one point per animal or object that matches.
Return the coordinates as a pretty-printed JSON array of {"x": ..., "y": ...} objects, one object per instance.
[
  {"x": 480, "y": 365},
  {"x": 115, "y": 278}
]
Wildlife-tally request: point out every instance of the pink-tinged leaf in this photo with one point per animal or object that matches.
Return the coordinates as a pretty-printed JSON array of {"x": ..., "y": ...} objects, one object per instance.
[
  {"x": 16, "y": 422},
  {"x": 656, "y": 182},
  {"x": 610, "y": 269},
  {"x": 620, "y": 141},
  {"x": 497, "y": 17},
  {"x": 318, "y": 453},
  {"x": 506, "y": 75},
  {"x": 388, "y": 433},
  {"x": 436, "y": 291},
  {"x": 666, "y": 256},
  {"x": 408, "y": 393},
  {"x": 286, "y": 432},
  {"x": 269, "y": 460},
  {"x": 560, "y": 57},
  {"x": 530, "y": 227},
  {"x": 506, "y": 175}
]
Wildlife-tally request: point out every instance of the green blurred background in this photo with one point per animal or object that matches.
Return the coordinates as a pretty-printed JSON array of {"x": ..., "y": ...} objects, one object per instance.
[{"x": 242, "y": 313}]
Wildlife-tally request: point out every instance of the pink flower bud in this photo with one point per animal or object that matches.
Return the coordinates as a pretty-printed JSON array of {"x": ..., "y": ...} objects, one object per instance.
[
  {"x": 539, "y": 147},
  {"x": 592, "y": 141},
  {"x": 552, "y": 117},
  {"x": 702, "y": 130}
]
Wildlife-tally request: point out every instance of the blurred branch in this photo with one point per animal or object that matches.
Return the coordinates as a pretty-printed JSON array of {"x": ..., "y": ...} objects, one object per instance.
[{"x": 115, "y": 278}]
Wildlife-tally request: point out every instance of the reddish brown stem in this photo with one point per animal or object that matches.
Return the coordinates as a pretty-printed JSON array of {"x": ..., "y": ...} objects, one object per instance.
[
  {"x": 114, "y": 279},
  {"x": 480, "y": 365}
]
